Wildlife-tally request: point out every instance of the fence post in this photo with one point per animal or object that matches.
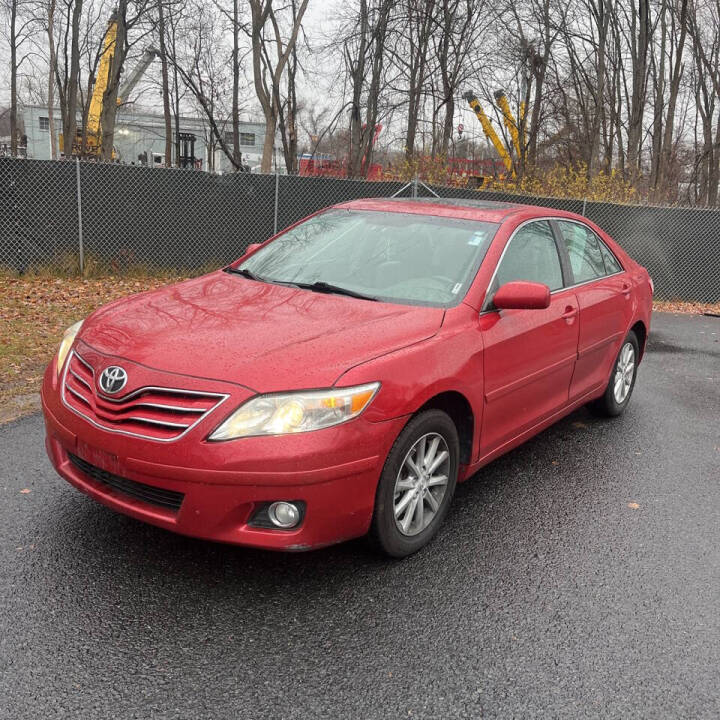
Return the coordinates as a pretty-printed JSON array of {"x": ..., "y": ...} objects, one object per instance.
[
  {"x": 414, "y": 186},
  {"x": 277, "y": 192},
  {"x": 584, "y": 204},
  {"x": 79, "y": 210}
]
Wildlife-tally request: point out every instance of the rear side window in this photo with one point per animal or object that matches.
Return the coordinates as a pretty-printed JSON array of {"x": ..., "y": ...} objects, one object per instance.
[
  {"x": 531, "y": 255},
  {"x": 611, "y": 263},
  {"x": 583, "y": 246}
]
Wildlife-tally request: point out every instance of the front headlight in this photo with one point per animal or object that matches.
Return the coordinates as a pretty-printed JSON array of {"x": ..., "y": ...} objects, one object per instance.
[
  {"x": 294, "y": 412},
  {"x": 66, "y": 343}
]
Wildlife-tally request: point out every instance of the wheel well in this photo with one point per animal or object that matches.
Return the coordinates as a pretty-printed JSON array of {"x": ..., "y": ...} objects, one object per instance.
[
  {"x": 641, "y": 332},
  {"x": 458, "y": 408}
]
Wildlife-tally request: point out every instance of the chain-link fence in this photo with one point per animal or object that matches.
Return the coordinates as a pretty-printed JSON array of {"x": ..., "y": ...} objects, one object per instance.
[{"x": 63, "y": 214}]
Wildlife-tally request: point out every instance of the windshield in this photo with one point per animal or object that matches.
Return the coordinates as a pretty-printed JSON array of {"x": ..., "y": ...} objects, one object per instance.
[{"x": 396, "y": 257}]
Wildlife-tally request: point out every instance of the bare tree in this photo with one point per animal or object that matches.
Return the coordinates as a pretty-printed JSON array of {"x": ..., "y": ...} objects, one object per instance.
[
  {"x": 128, "y": 16},
  {"x": 412, "y": 56},
  {"x": 582, "y": 88},
  {"x": 703, "y": 25},
  {"x": 678, "y": 31},
  {"x": 21, "y": 24},
  {"x": 51, "y": 77},
  {"x": 199, "y": 67},
  {"x": 165, "y": 81},
  {"x": 271, "y": 51},
  {"x": 635, "y": 25},
  {"x": 364, "y": 52},
  {"x": 534, "y": 30},
  {"x": 68, "y": 87},
  {"x": 458, "y": 27}
]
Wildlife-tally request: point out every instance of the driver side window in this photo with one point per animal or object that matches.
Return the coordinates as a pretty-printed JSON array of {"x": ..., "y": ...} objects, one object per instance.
[{"x": 531, "y": 255}]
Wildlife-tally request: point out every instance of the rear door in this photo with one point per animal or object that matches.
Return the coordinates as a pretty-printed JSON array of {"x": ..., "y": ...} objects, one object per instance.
[
  {"x": 603, "y": 290},
  {"x": 529, "y": 354}
]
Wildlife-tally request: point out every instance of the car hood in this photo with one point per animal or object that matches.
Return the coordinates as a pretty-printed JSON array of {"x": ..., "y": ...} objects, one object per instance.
[{"x": 265, "y": 337}]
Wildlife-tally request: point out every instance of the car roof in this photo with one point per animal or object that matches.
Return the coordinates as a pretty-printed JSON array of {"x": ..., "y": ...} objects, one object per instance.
[{"x": 485, "y": 210}]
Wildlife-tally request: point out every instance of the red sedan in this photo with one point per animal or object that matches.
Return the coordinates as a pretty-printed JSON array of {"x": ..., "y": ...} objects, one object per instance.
[{"x": 341, "y": 378}]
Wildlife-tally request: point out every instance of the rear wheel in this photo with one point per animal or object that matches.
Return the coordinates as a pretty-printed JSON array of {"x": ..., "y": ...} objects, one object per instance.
[
  {"x": 416, "y": 485},
  {"x": 622, "y": 380}
]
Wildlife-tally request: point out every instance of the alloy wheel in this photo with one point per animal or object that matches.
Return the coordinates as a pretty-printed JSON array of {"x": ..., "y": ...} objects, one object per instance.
[
  {"x": 421, "y": 484},
  {"x": 624, "y": 373}
]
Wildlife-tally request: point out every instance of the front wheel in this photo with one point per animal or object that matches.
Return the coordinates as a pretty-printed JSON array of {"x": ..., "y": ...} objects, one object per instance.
[
  {"x": 417, "y": 484},
  {"x": 622, "y": 380}
]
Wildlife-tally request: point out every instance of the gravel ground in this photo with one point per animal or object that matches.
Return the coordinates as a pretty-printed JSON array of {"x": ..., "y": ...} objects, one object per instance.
[{"x": 578, "y": 576}]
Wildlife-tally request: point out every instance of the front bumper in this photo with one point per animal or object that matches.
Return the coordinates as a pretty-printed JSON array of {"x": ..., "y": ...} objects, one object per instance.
[{"x": 334, "y": 471}]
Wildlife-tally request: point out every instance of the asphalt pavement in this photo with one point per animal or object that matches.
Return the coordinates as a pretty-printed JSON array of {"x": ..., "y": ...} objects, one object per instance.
[{"x": 578, "y": 576}]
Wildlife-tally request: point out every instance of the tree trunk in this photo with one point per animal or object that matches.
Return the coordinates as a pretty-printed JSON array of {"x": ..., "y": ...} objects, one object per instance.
[
  {"x": 109, "y": 106},
  {"x": 165, "y": 85},
  {"x": 714, "y": 170},
  {"x": 667, "y": 143},
  {"x": 70, "y": 115},
  {"x": 176, "y": 93},
  {"x": 13, "y": 78},
  {"x": 448, "y": 125},
  {"x": 420, "y": 18},
  {"x": 641, "y": 32},
  {"x": 266, "y": 164},
  {"x": 603, "y": 22},
  {"x": 261, "y": 11},
  {"x": 356, "y": 68},
  {"x": 51, "y": 79},
  {"x": 237, "y": 155}
]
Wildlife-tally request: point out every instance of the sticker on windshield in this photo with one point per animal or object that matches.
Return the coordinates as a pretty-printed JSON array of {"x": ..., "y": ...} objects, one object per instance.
[
  {"x": 476, "y": 238},
  {"x": 456, "y": 289}
]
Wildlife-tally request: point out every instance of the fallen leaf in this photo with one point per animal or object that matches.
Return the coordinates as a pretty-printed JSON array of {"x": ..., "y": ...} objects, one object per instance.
[
  {"x": 25, "y": 491},
  {"x": 633, "y": 506}
]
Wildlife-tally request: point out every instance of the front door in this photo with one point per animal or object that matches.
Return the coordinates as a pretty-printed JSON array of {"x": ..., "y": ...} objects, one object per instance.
[{"x": 529, "y": 354}]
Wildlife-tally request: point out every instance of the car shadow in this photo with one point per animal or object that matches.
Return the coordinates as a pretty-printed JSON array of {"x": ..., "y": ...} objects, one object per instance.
[
  {"x": 101, "y": 565},
  {"x": 88, "y": 533}
]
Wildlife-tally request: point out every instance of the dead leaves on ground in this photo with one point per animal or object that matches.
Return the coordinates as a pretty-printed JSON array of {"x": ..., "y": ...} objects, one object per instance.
[
  {"x": 34, "y": 311},
  {"x": 680, "y": 306}
]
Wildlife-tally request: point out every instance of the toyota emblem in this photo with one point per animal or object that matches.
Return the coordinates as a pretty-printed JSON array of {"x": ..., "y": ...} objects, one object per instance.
[{"x": 113, "y": 379}]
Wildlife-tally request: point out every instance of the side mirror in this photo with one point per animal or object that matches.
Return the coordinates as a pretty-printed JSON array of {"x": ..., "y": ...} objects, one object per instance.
[
  {"x": 252, "y": 247},
  {"x": 522, "y": 295}
]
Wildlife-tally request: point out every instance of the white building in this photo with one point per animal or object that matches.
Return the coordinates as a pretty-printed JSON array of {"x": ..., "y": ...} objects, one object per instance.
[{"x": 140, "y": 139}]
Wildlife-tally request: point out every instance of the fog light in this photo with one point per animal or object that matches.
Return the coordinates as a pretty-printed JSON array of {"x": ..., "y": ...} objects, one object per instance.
[{"x": 284, "y": 514}]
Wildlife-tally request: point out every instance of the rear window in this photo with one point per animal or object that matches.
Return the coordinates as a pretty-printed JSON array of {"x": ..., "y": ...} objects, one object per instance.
[
  {"x": 583, "y": 246},
  {"x": 611, "y": 262}
]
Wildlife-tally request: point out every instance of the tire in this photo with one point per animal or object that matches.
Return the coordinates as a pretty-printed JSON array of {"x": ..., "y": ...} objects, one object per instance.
[
  {"x": 420, "y": 493},
  {"x": 613, "y": 403}
]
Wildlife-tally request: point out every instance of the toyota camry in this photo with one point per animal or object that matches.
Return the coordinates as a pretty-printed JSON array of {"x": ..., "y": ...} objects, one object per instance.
[{"x": 339, "y": 379}]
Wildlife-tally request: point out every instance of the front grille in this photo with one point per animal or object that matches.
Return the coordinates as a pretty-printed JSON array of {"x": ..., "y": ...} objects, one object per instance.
[
  {"x": 147, "y": 493},
  {"x": 155, "y": 413}
]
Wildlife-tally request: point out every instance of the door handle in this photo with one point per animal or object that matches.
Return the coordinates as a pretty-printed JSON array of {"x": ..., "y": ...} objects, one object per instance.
[
  {"x": 626, "y": 287},
  {"x": 570, "y": 312}
]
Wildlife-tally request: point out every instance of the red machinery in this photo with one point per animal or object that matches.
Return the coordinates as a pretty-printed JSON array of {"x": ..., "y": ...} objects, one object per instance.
[{"x": 314, "y": 165}]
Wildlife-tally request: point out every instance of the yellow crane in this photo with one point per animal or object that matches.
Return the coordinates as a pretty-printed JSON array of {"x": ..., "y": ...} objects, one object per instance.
[
  {"x": 510, "y": 123},
  {"x": 489, "y": 130}
]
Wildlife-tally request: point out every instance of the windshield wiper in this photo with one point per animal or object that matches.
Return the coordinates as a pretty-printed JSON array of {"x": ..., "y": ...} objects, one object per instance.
[
  {"x": 324, "y": 287},
  {"x": 253, "y": 276},
  {"x": 245, "y": 273},
  {"x": 318, "y": 286}
]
